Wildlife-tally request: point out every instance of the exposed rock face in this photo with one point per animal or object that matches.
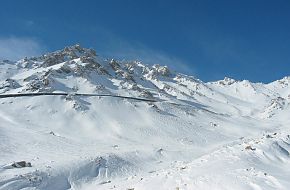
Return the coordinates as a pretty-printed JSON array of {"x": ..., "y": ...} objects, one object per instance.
[
  {"x": 9, "y": 83},
  {"x": 162, "y": 70},
  {"x": 50, "y": 59},
  {"x": 227, "y": 81},
  {"x": 21, "y": 164},
  {"x": 67, "y": 54}
]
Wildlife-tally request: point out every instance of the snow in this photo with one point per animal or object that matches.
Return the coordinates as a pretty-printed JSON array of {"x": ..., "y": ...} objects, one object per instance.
[{"x": 226, "y": 134}]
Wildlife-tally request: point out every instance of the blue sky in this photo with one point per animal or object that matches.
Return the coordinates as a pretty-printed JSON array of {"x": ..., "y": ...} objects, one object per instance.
[{"x": 242, "y": 39}]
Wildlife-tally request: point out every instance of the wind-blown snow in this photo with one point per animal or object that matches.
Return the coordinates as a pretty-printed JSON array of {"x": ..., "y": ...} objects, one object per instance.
[{"x": 226, "y": 134}]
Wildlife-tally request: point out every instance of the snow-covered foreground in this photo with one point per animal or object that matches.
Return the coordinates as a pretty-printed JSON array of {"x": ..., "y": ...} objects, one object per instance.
[{"x": 219, "y": 135}]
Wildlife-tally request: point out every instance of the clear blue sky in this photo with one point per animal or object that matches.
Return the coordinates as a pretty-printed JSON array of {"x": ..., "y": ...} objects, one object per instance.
[{"x": 242, "y": 39}]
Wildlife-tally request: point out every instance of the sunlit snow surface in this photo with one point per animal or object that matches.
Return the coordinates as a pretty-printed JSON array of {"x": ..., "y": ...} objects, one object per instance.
[{"x": 218, "y": 135}]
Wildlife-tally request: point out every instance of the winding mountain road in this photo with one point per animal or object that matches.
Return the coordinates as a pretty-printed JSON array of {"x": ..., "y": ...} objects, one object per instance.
[{"x": 72, "y": 94}]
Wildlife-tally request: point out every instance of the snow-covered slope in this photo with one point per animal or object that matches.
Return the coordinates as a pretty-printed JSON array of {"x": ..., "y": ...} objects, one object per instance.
[{"x": 218, "y": 135}]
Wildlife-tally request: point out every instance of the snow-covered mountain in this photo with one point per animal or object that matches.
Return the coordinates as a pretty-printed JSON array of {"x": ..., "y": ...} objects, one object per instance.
[{"x": 225, "y": 134}]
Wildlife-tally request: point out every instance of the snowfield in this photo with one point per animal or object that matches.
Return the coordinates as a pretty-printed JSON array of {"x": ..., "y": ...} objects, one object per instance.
[{"x": 219, "y": 135}]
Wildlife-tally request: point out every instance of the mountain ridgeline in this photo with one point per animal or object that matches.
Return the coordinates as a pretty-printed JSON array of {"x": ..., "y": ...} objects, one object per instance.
[{"x": 79, "y": 70}]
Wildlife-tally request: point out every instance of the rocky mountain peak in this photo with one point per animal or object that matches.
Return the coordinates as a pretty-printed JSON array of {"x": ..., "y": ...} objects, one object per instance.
[
  {"x": 226, "y": 81},
  {"x": 67, "y": 54}
]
